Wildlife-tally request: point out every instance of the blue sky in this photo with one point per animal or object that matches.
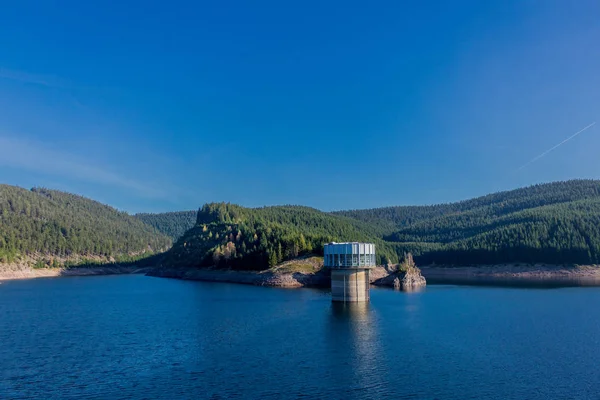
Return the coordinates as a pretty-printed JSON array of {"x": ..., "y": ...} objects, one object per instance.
[{"x": 157, "y": 106}]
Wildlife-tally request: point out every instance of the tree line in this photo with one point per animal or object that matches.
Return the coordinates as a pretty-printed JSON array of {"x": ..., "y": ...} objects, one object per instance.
[
  {"x": 173, "y": 224},
  {"x": 551, "y": 223},
  {"x": 48, "y": 222},
  {"x": 227, "y": 235}
]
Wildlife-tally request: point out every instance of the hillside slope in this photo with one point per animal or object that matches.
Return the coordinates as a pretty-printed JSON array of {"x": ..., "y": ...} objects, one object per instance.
[
  {"x": 554, "y": 223},
  {"x": 551, "y": 223},
  {"x": 388, "y": 220},
  {"x": 172, "y": 224},
  {"x": 230, "y": 236},
  {"x": 41, "y": 224}
]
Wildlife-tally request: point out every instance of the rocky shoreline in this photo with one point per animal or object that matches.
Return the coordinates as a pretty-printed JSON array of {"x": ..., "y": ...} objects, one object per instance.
[
  {"x": 390, "y": 276},
  {"x": 262, "y": 278},
  {"x": 517, "y": 273},
  {"x": 30, "y": 273},
  {"x": 387, "y": 276},
  {"x": 379, "y": 276},
  {"x": 321, "y": 278}
]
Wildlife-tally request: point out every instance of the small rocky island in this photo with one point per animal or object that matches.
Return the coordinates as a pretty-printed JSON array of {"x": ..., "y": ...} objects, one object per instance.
[{"x": 405, "y": 276}]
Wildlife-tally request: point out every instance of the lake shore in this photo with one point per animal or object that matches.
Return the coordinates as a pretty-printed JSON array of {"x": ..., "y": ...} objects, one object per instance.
[
  {"x": 380, "y": 276},
  {"x": 507, "y": 273},
  {"x": 276, "y": 277},
  {"x": 7, "y": 273},
  {"x": 259, "y": 278}
]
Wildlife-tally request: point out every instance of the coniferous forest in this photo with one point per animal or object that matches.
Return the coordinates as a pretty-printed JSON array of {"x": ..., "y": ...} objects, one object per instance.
[
  {"x": 555, "y": 223},
  {"x": 44, "y": 222},
  {"x": 172, "y": 224},
  {"x": 231, "y": 236}
]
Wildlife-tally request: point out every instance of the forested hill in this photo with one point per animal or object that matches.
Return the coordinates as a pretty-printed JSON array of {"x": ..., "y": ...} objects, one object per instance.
[
  {"x": 231, "y": 236},
  {"x": 387, "y": 220},
  {"x": 172, "y": 224},
  {"x": 554, "y": 223},
  {"x": 551, "y": 223},
  {"x": 44, "y": 224}
]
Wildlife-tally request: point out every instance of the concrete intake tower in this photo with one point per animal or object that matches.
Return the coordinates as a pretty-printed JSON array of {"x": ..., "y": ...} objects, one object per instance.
[{"x": 350, "y": 263}]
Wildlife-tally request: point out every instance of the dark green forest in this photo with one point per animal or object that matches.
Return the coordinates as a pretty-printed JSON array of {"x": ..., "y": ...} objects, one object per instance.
[
  {"x": 388, "y": 220},
  {"x": 172, "y": 224},
  {"x": 230, "y": 236},
  {"x": 548, "y": 223},
  {"x": 48, "y": 222},
  {"x": 553, "y": 223}
]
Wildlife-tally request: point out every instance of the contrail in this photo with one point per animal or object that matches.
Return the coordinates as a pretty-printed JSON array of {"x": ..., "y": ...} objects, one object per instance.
[{"x": 553, "y": 148}]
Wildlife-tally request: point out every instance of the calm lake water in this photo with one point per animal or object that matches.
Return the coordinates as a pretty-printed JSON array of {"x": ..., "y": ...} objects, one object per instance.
[{"x": 136, "y": 337}]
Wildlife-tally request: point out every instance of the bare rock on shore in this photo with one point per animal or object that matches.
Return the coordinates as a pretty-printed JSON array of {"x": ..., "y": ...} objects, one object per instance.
[
  {"x": 402, "y": 280},
  {"x": 26, "y": 272},
  {"x": 264, "y": 278},
  {"x": 405, "y": 276},
  {"x": 303, "y": 272},
  {"x": 579, "y": 275},
  {"x": 412, "y": 279}
]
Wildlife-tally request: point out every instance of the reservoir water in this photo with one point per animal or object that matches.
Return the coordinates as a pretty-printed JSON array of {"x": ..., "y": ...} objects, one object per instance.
[{"x": 137, "y": 337}]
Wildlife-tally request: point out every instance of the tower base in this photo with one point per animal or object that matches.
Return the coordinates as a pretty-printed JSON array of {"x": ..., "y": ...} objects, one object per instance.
[{"x": 350, "y": 285}]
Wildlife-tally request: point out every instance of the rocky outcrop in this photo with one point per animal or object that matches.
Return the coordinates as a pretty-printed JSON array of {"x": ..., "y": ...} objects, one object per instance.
[
  {"x": 278, "y": 277},
  {"x": 394, "y": 276},
  {"x": 305, "y": 271},
  {"x": 412, "y": 279},
  {"x": 300, "y": 272},
  {"x": 298, "y": 279}
]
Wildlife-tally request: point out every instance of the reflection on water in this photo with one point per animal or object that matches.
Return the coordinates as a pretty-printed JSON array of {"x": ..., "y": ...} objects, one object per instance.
[
  {"x": 136, "y": 337},
  {"x": 412, "y": 289},
  {"x": 355, "y": 347},
  {"x": 345, "y": 311}
]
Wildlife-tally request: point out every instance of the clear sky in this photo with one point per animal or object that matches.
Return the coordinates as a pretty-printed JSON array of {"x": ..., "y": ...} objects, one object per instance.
[{"x": 157, "y": 106}]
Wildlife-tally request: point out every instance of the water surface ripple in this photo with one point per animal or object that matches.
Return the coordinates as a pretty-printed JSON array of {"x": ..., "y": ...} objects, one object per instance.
[{"x": 136, "y": 337}]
